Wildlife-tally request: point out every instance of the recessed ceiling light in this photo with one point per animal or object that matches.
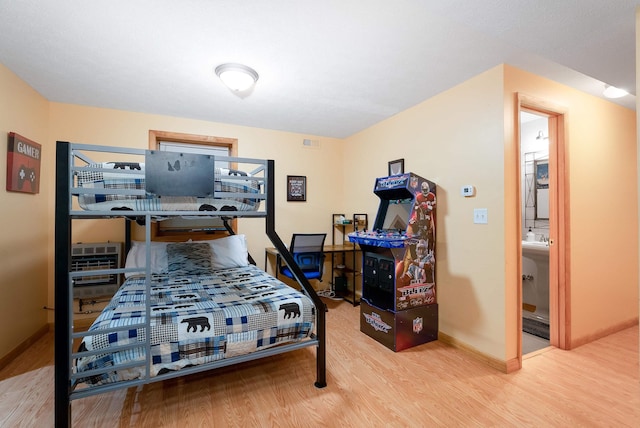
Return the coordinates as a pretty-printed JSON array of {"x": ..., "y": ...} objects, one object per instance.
[
  {"x": 613, "y": 92},
  {"x": 237, "y": 77}
]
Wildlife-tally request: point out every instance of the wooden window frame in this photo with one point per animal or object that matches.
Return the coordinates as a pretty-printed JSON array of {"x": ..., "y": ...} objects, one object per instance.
[{"x": 155, "y": 137}]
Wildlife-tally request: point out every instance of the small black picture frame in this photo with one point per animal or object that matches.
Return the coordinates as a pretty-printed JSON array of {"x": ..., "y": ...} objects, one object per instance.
[
  {"x": 296, "y": 188},
  {"x": 396, "y": 167}
]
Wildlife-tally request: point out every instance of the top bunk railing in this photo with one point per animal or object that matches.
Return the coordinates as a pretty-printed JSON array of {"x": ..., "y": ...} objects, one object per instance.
[{"x": 106, "y": 181}]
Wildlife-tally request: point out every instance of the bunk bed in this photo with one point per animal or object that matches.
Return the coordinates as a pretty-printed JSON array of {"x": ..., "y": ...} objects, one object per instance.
[{"x": 184, "y": 307}]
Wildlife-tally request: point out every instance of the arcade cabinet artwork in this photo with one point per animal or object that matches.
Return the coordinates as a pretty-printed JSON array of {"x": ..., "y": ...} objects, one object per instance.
[{"x": 399, "y": 307}]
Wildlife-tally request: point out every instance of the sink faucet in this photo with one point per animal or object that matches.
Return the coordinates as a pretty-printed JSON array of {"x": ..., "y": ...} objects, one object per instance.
[{"x": 544, "y": 238}]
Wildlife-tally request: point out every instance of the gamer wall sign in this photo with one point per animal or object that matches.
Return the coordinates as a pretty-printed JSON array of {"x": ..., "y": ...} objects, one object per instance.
[{"x": 23, "y": 164}]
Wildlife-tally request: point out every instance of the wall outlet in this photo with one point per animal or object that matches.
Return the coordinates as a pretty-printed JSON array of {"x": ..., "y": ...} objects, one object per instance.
[
  {"x": 480, "y": 216},
  {"x": 467, "y": 191}
]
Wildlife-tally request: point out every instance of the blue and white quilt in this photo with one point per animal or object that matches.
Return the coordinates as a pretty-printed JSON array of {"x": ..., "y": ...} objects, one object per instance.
[{"x": 195, "y": 319}]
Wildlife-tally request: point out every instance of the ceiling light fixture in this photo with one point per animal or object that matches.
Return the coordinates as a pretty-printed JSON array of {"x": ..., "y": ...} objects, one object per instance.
[
  {"x": 613, "y": 92},
  {"x": 237, "y": 77}
]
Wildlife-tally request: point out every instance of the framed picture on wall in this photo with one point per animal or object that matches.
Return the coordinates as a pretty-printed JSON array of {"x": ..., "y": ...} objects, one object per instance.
[
  {"x": 542, "y": 174},
  {"x": 396, "y": 167},
  {"x": 296, "y": 188},
  {"x": 542, "y": 189},
  {"x": 23, "y": 164}
]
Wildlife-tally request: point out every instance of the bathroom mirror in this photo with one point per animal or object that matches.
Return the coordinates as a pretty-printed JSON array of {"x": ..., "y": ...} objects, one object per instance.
[{"x": 534, "y": 173}]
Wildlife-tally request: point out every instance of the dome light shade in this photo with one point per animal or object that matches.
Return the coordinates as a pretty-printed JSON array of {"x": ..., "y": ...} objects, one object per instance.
[
  {"x": 237, "y": 77},
  {"x": 613, "y": 92}
]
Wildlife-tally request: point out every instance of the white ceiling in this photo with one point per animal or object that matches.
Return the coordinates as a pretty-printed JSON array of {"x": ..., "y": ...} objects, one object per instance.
[{"x": 327, "y": 68}]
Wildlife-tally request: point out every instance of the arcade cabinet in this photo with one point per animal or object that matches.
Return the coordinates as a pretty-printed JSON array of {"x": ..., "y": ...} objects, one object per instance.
[{"x": 399, "y": 307}]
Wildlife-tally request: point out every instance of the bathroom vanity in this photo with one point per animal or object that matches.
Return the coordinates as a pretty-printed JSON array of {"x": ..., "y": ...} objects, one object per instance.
[{"x": 535, "y": 288}]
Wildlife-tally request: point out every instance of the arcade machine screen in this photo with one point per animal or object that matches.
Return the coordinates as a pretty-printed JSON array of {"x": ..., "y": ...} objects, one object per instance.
[{"x": 397, "y": 215}]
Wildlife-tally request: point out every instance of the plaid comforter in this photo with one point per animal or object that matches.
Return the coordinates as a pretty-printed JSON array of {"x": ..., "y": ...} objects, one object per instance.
[
  {"x": 111, "y": 178},
  {"x": 195, "y": 320}
]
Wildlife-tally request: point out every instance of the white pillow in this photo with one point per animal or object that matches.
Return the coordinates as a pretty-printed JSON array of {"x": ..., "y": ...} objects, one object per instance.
[
  {"x": 137, "y": 258},
  {"x": 229, "y": 252}
]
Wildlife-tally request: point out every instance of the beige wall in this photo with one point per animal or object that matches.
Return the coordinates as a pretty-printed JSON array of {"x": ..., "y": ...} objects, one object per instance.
[
  {"x": 453, "y": 139},
  {"x": 24, "y": 247}
]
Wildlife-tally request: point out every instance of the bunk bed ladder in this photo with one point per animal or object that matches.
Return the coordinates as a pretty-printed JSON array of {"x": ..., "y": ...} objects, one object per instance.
[{"x": 321, "y": 360}]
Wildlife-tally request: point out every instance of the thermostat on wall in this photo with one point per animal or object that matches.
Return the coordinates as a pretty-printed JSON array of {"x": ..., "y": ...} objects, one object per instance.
[{"x": 468, "y": 191}]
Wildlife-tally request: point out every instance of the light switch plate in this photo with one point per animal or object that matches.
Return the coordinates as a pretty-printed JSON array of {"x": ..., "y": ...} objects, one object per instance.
[{"x": 480, "y": 216}]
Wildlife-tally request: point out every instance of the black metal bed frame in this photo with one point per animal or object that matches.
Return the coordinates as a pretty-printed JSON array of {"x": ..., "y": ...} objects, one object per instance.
[{"x": 64, "y": 214}]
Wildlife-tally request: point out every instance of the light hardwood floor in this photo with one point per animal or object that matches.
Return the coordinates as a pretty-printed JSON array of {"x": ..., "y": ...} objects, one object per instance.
[{"x": 433, "y": 385}]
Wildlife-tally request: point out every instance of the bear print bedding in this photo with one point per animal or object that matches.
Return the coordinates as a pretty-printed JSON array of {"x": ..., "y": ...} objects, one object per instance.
[{"x": 195, "y": 319}]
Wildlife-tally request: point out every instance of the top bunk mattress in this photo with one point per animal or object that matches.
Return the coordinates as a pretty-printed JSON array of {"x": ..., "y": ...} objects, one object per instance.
[{"x": 116, "y": 176}]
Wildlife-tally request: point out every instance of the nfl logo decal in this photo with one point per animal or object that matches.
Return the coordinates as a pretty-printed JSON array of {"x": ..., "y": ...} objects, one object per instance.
[{"x": 417, "y": 325}]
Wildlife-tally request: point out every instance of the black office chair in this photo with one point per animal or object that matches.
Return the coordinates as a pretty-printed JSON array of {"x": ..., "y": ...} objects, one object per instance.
[{"x": 307, "y": 252}]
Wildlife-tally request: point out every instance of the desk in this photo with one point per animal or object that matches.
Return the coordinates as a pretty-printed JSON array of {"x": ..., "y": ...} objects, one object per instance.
[{"x": 331, "y": 250}]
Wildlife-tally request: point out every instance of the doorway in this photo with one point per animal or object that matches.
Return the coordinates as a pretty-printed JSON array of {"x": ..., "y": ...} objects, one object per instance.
[
  {"x": 534, "y": 205},
  {"x": 545, "y": 212}
]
